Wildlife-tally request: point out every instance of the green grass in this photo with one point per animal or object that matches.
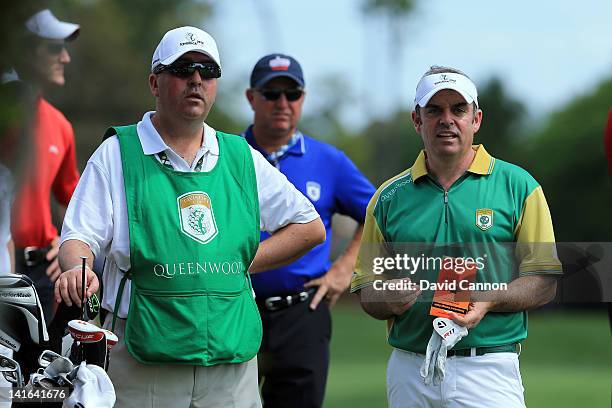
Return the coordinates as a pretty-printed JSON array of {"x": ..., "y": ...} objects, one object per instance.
[{"x": 566, "y": 361}]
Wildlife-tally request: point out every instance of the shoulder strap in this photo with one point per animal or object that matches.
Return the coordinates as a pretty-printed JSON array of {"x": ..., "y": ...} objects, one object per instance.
[{"x": 118, "y": 130}]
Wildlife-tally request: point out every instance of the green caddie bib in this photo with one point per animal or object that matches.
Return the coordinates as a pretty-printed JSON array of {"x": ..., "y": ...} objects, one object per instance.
[{"x": 193, "y": 236}]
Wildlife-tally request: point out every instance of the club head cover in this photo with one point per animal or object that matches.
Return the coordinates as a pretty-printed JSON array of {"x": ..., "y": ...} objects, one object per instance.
[
  {"x": 58, "y": 327},
  {"x": 93, "y": 344},
  {"x": 85, "y": 332},
  {"x": 111, "y": 338}
]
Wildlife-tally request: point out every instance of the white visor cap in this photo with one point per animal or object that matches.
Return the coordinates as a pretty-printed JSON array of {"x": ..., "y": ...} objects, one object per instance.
[
  {"x": 182, "y": 40},
  {"x": 45, "y": 25},
  {"x": 431, "y": 84}
]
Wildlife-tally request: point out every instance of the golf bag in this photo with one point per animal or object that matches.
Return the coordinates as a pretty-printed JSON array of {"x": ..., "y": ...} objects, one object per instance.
[
  {"x": 22, "y": 323},
  {"x": 37, "y": 350}
]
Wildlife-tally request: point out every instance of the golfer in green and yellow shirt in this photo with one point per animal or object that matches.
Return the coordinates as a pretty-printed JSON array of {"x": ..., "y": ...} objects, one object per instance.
[{"x": 457, "y": 200}]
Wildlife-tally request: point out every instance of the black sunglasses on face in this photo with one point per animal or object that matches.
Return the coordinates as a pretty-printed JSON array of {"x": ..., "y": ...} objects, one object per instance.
[
  {"x": 273, "y": 94},
  {"x": 207, "y": 70},
  {"x": 55, "y": 48}
]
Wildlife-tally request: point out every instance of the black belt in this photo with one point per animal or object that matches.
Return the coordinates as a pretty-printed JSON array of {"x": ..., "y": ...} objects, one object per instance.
[
  {"x": 282, "y": 302},
  {"x": 481, "y": 351},
  {"x": 32, "y": 256}
]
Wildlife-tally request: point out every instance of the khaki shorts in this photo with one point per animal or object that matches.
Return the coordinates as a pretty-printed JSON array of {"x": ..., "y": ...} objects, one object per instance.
[{"x": 143, "y": 386}]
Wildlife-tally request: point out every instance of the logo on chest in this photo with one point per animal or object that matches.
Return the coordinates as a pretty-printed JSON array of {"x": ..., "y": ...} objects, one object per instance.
[
  {"x": 313, "y": 190},
  {"x": 197, "y": 216},
  {"x": 484, "y": 218}
]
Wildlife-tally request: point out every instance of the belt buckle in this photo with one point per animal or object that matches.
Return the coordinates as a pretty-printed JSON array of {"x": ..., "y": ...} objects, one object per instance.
[
  {"x": 27, "y": 255},
  {"x": 269, "y": 302}
]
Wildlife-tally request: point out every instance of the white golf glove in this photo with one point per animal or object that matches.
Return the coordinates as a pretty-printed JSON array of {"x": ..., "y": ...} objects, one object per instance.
[
  {"x": 92, "y": 389},
  {"x": 444, "y": 337}
]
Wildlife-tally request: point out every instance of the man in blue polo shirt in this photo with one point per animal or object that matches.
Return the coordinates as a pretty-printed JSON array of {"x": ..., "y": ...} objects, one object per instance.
[{"x": 294, "y": 355}]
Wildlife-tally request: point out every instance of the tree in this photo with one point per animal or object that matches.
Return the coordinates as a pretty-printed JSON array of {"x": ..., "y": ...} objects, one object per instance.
[
  {"x": 502, "y": 130},
  {"x": 567, "y": 158}
]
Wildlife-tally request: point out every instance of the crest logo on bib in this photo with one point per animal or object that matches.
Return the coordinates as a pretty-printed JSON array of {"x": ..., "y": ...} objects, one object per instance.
[
  {"x": 197, "y": 216},
  {"x": 313, "y": 190},
  {"x": 484, "y": 218}
]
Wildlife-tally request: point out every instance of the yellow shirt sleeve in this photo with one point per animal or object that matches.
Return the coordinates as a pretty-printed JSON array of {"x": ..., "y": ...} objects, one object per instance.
[
  {"x": 535, "y": 238},
  {"x": 372, "y": 246}
]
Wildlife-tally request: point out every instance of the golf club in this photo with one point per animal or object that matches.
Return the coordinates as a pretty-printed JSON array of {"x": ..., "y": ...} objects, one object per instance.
[
  {"x": 47, "y": 357},
  {"x": 58, "y": 366},
  {"x": 18, "y": 297},
  {"x": 111, "y": 340},
  {"x": 22, "y": 321},
  {"x": 11, "y": 371}
]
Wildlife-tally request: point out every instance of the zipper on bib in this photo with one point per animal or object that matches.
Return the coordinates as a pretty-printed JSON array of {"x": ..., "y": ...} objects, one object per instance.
[{"x": 445, "y": 207}]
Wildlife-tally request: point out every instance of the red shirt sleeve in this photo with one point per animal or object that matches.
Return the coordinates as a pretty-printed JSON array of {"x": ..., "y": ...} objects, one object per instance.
[{"x": 67, "y": 175}]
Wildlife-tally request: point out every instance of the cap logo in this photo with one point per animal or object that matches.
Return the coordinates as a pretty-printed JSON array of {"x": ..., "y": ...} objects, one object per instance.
[
  {"x": 279, "y": 64},
  {"x": 444, "y": 78},
  {"x": 191, "y": 40}
]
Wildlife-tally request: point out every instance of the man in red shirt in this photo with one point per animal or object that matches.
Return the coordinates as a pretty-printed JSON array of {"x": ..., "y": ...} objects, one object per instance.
[{"x": 53, "y": 162}]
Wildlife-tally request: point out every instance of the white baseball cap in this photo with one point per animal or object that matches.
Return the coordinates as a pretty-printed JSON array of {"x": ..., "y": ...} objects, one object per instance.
[
  {"x": 45, "y": 25},
  {"x": 182, "y": 40},
  {"x": 431, "y": 84}
]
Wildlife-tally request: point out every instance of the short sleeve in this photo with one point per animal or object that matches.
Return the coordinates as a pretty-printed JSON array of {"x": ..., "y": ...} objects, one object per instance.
[
  {"x": 372, "y": 247},
  {"x": 354, "y": 190},
  {"x": 280, "y": 203},
  {"x": 535, "y": 238}
]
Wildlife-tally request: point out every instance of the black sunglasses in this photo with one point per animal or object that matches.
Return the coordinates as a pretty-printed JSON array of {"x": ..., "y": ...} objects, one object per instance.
[
  {"x": 55, "y": 48},
  {"x": 272, "y": 94},
  {"x": 207, "y": 70}
]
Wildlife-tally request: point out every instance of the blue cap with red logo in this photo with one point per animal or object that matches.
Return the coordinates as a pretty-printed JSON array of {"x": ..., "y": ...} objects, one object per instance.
[{"x": 274, "y": 66}]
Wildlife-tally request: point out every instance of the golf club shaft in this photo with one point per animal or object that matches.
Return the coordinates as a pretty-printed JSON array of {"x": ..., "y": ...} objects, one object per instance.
[
  {"x": 83, "y": 284},
  {"x": 83, "y": 277}
]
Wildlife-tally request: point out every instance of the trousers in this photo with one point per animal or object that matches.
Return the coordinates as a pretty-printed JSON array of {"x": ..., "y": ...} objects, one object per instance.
[
  {"x": 160, "y": 386},
  {"x": 490, "y": 380},
  {"x": 294, "y": 355}
]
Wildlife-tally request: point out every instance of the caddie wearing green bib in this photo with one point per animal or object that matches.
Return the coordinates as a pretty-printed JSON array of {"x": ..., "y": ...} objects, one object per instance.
[
  {"x": 176, "y": 208},
  {"x": 456, "y": 203}
]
